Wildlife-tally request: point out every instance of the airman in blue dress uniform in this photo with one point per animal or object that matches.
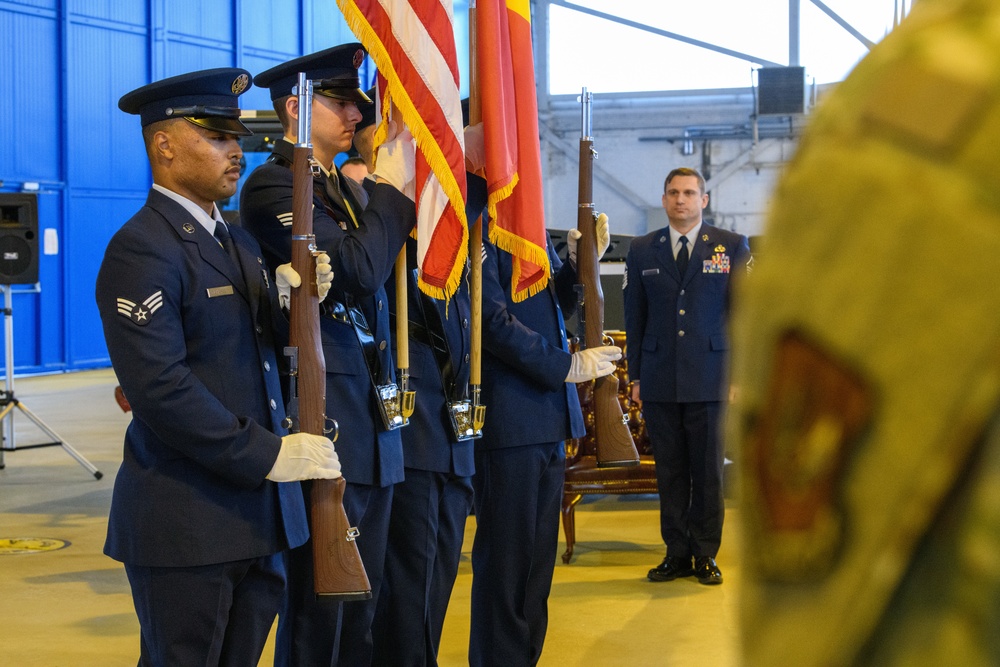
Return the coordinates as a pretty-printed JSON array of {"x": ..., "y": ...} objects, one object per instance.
[
  {"x": 362, "y": 242},
  {"x": 532, "y": 406},
  {"x": 431, "y": 506},
  {"x": 677, "y": 287},
  {"x": 204, "y": 502}
]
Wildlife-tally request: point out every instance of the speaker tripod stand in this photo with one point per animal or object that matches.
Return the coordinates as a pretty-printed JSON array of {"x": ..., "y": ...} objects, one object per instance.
[{"x": 9, "y": 401}]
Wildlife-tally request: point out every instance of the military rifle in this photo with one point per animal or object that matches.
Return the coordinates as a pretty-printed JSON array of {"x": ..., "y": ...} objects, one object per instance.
[
  {"x": 337, "y": 568},
  {"x": 615, "y": 446}
]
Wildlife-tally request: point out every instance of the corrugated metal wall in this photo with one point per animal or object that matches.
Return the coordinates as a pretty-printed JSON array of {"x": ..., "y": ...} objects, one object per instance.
[{"x": 65, "y": 64}]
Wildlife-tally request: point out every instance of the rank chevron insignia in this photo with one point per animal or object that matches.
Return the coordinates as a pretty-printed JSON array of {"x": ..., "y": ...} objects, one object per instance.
[{"x": 142, "y": 312}]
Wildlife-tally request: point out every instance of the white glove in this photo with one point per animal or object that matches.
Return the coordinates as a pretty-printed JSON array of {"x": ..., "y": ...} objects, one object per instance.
[
  {"x": 285, "y": 278},
  {"x": 324, "y": 275},
  {"x": 594, "y": 362},
  {"x": 396, "y": 163},
  {"x": 475, "y": 148},
  {"x": 602, "y": 235},
  {"x": 305, "y": 456}
]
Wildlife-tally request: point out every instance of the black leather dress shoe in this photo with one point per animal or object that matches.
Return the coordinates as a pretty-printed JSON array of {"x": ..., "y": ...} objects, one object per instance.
[
  {"x": 671, "y": 568},
  {"x": 707, "y": 571}
]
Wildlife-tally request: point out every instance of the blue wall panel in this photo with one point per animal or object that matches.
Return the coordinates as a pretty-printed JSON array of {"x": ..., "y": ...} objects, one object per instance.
[
  {"x": 31, "y": 123},
  {"x": 272, "y": 25},
  {"x": 108, "y": 170},
  {"x": 122, "y": 11},
  {"x": 94, "y": 218},
  {"x": 48, "y": 305},
  {"x": 185, "y": 57},
  {"x": 29, "y": 102},
  {"x": 101, "y": 139},
  {"x": 328, "y": 27},
  {"x": 210, "y": 19},
  {"x": 30, "y": 5}
]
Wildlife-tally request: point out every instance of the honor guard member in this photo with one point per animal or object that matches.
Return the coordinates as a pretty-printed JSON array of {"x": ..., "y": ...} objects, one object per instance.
[
  {"x": 866, "y": 353},
  {"x": 363, "y": 243},
  {"x": 532, "y": 408},
  {"x": 431, "y": 506},
  {"x": 677, "y": 285},
  {"x": 201, "y": 510}
]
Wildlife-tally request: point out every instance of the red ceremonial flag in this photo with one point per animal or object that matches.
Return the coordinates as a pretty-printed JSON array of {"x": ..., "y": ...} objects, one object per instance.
[
  {"x": 413, "y": 45},
  {"x": 506, "y": 70}
]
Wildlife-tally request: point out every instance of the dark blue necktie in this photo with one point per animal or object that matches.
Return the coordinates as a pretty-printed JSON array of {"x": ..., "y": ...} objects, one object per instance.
[
  {"x": 682, "y": 256},
  {"x": 225, "y": 240}
]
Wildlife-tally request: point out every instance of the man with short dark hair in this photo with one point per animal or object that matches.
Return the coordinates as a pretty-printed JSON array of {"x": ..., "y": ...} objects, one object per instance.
[
  {"x": 201, "y": 510},
  {"x": 677, "y": 285}
]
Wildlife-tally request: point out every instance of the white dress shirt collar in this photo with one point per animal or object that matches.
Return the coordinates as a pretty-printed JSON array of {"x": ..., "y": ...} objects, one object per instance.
[
  {"x": 675, "y": 239},
  {"x": 207, "y": 221}
]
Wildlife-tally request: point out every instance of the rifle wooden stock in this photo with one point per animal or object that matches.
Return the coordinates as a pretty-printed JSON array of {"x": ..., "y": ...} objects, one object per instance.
[
  {"x": 337, "y": 568},
  {"x": 615, "y": 446}
]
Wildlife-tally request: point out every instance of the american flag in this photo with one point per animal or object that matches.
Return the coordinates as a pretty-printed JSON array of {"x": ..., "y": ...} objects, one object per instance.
[{"x": 413, "y": 46}]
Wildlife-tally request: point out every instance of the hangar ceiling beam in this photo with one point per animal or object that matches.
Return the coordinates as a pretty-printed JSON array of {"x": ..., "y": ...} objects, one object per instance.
[{"x": 666, "y": 33}]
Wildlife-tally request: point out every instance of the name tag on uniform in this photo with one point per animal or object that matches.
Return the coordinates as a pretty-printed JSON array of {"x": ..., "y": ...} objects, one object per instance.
[
  {"x": 650, "y": 272},
  {"x": 219, "y": 291}
]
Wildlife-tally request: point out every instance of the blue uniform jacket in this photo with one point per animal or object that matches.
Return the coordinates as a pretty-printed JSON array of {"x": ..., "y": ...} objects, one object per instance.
[
  {"x": 675, "y": 328},
  {"x": 362, "y": 259},
  {"x": 192, "y": 345},
  {"x": 429, "y": 441},
  {"x": 526, "y": 357}
]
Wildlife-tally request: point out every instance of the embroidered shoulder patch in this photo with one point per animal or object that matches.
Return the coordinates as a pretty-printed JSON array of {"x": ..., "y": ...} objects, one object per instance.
[{"x": 140, "y": 313}]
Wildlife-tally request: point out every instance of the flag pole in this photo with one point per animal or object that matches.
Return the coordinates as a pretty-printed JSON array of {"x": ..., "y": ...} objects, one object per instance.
[
  {"x": 407, "y": 398},
  {"x": 475, "y": 246}
]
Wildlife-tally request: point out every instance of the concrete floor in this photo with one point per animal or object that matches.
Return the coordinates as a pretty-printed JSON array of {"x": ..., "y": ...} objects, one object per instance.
[{"x": 71, "y": 607}]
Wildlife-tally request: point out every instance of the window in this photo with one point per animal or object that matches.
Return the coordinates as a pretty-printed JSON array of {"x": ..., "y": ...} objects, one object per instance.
[{"x": 683, "y": 45}]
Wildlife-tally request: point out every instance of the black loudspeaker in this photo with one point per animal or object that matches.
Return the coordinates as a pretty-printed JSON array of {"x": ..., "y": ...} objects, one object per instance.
[
  {"x": 781, "y": 90},
  {"x": 18, "y": 239}
]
